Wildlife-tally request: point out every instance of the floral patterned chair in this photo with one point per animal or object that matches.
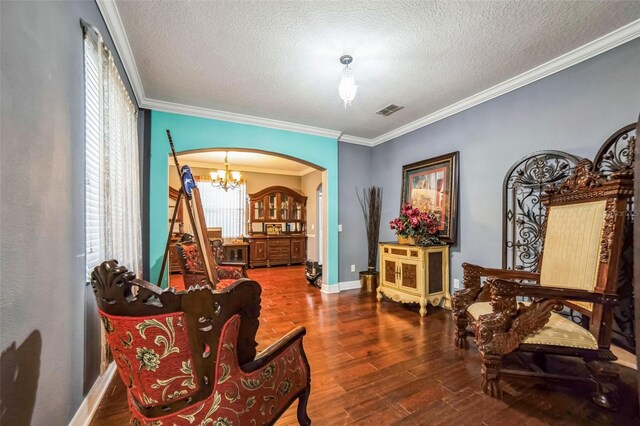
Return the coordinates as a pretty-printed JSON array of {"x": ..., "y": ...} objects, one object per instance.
[
  {"x": 189, "y": 358},
  {"x": 579, "y": 270},
  {"x": 193, "y": 271}
]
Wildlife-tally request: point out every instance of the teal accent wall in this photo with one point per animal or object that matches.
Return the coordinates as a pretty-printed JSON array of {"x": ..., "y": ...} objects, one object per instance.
[{"x": 194, "y": 133}]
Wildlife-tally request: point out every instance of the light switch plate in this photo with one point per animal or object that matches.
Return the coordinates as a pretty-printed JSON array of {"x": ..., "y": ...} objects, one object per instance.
[
  {"x": 456, "y": 283},
  {"x": 340, "y": 228},
  {"x": 353, "y": 268}
]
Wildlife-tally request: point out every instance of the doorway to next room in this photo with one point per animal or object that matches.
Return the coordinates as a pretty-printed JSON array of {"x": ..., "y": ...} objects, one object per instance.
[{"x": 263, "y": 210}]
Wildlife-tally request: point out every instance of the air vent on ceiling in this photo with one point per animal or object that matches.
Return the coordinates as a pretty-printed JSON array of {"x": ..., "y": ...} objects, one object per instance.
[{"x": 389, "y": 109}]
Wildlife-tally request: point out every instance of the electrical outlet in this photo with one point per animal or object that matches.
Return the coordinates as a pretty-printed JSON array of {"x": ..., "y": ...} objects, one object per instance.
[
  {"x": 456, "y": 283},
  {"x": 353, "y": 268}
]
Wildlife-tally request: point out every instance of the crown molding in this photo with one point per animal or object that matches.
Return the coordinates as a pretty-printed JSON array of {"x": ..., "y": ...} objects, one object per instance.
[
  {"x": 356, "y": 140},
  {"x": 582, "y": 53},
  {"x": 600, "y": 45},
  {"x": 238, "y": 118},
  {"x": 112, "y": 19}
]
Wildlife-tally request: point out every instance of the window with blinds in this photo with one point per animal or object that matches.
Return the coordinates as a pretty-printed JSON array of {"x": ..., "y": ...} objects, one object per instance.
[
  {"x": 93, "y": 156},
  {"x": 112, "y": 180},
  {"x": 225, "y": 209}
]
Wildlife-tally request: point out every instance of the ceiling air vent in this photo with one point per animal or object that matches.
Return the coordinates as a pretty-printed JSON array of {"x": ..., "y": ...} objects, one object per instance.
[{"x": 389, "y": 109}]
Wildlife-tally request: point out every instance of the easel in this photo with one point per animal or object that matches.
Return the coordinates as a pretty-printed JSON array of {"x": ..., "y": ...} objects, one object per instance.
[{"x": 190, "y": 191}]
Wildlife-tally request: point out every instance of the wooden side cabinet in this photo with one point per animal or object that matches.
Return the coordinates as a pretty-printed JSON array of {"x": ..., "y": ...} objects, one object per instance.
[{"x": 413, "y": 274}]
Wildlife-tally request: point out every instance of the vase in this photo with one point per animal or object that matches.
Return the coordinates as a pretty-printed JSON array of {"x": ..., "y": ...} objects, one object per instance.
[
  {"x": 411, "y": 241},
  {"x": 369, "y": 281}
]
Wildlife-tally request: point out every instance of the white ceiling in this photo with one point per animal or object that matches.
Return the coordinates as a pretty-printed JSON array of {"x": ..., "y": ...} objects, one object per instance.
[
  {"x": 279, "y": 60},
  {"x": 246, "y": 161}
]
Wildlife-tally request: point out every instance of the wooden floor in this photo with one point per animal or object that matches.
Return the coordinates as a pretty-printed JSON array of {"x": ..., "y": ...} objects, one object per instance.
[{"x": 382, "y": 364}]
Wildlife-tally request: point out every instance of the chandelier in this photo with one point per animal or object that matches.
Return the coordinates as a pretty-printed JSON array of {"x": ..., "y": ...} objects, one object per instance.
[
  {"x": 224, "y": 179},
  {"x": 347, "y": 87}
]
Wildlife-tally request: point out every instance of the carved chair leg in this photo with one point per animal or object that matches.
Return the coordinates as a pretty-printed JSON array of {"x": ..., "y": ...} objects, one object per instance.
[
  {"x": 303, "y": 418},
  {"x": 491, "y": 375},
  {"x": 605, "y": 374},
  {"x": 462, "y": 322}
]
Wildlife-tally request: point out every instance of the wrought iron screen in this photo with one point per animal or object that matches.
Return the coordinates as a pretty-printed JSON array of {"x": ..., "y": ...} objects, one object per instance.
[
  {"x": 617, "y": 155},
  {"x": 523, "y": 213}
]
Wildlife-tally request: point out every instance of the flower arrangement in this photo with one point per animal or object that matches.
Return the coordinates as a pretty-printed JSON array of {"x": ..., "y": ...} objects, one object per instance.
[{"x": 412, "y": 223}]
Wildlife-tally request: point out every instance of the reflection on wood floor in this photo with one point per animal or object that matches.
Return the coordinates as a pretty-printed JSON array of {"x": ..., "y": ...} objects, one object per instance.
[{"x": 383, "y": 364}]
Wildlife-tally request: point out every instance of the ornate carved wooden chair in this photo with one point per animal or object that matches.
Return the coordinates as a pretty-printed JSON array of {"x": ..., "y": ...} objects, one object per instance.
[
  {"x": 579, "y": 270},
  {"x": 193, "y": 270},
  {"x": 190, "y": 357}
]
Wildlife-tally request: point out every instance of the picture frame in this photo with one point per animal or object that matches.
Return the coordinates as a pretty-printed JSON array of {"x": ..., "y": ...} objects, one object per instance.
[
  {"x": 432, "y": 185},
  {"x": 274, "y": 229}
]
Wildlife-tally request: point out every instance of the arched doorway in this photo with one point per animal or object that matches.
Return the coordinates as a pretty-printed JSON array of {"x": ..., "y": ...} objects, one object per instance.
[{"x": 192, "y": 134}]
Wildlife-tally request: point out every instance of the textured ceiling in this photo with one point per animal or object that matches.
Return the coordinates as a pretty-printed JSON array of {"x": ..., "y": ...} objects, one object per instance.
[
  {"x": 279, "y": 60},
  {"x": 246, "y": 161}
]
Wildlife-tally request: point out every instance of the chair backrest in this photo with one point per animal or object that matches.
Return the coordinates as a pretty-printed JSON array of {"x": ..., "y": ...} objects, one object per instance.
[
  {"x": 190, "y": 259},
  {"x": 165, "y": 343},
  {"x": 218, "y": 251},
  {"x": 583, "y": 232}
]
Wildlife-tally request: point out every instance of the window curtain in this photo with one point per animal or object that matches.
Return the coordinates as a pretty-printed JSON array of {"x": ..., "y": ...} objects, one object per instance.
[
  {"x": 225, "y": 209},
  {"x": 113, "y": 222}
]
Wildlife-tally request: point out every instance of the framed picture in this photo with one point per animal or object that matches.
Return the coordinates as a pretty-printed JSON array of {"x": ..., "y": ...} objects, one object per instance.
[
  {"x": 432, "y": 185},
  {"x": 274, "y": 229}
]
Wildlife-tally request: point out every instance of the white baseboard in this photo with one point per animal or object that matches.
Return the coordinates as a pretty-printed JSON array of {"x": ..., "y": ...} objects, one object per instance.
[
  {"x": 330, "y": 289},
  {"x": 90, "y": 404},
  {"x": 349, "y": 285}
]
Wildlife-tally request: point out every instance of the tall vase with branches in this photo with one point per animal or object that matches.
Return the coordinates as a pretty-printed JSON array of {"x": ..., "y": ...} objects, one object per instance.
[{"x": 371, "y": 203}]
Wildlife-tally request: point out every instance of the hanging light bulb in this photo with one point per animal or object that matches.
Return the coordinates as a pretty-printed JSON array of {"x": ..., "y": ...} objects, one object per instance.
[{"x": 347, "y": 87}]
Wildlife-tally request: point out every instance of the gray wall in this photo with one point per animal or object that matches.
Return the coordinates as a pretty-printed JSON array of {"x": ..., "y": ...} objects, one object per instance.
[
  {"x": 354, "y": 171},
  {"x": 42, "y": 191},
  {"x": 574, "y": 110}
]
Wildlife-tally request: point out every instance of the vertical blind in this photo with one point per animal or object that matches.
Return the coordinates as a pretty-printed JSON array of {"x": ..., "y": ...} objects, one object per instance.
[
  {"x": 112, "y": 206},
  {"x": 225, "y": 209}
]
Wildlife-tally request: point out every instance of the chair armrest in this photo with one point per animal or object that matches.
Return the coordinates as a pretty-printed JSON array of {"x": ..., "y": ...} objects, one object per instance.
[
  {"x": 275, "y": 349},
  {"x": 238, "y": 264},
  {"x": 507, "y": 274},
  {"x": 474, "y": 291},
  {"x": 504, "y": 288}
]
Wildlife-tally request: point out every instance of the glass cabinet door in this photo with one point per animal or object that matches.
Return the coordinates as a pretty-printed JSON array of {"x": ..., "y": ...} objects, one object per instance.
[
  {"x": 284, "y": 207},
  {"x": 297, "y": 210},
  {"x": 258, "y": 209},
  {"x": 273, "y": 206}
]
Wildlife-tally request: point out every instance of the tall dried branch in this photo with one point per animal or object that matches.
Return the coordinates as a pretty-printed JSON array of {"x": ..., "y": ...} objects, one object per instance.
[{"x": 371, "y": 203}]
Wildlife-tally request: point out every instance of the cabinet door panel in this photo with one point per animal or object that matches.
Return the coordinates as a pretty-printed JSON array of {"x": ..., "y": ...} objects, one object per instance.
[
  {"x": 390, "y": 272},
  {"x": 259, "y": 250},
  {"x": 410, "y": 278},
  {"x": 436, "y": 279},
  {"x": 297, "y": 249}
]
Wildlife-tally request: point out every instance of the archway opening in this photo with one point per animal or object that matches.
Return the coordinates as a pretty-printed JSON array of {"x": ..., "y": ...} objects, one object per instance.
[{"x": 233, "y": 214}]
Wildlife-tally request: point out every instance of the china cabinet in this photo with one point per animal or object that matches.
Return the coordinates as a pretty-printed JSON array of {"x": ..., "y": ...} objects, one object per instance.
[{"x": 277, "y": 227}]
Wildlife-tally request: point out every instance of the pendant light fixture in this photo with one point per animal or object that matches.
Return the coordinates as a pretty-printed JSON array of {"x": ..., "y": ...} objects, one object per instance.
[
  {"x": 347, "y": 88},
  {"x": 224, "y": 179}
]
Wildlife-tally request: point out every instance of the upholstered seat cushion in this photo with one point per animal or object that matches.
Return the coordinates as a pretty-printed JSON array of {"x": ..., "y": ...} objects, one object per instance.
[{"x": 559, "y": 331}]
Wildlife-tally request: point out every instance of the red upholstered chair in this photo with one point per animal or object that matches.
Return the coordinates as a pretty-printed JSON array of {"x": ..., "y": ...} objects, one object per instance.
[
  {"x": 193, "y": 271},
  {"x": 189, "y": 358}
]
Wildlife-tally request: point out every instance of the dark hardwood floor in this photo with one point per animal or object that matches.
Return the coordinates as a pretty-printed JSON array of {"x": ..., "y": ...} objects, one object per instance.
[{"x": 383, "y": 364}]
